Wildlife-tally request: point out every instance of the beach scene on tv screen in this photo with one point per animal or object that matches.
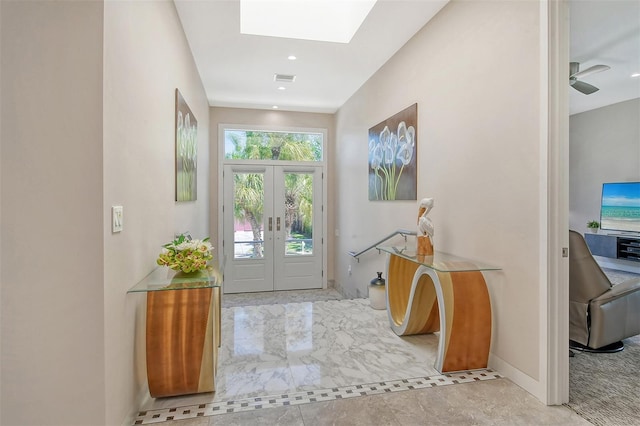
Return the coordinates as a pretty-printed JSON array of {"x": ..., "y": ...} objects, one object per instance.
[{"x": 620, "y": 207}]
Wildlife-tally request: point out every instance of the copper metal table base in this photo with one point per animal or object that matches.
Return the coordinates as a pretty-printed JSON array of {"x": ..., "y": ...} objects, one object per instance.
[
  {"x": 423, "y": 300},
  {"x": 182, "y": 341}
]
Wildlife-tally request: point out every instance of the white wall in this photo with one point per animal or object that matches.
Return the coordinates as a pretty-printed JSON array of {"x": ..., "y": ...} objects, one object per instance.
[
  {"x": 88, "y": 90},
  {"x": 146, "y": 57},
  {"x": 53, "y": 358},
  {"x": 604, "y": 146},
  {"x": 474, "y": 71},
  {"x": 285, "y": 119}
]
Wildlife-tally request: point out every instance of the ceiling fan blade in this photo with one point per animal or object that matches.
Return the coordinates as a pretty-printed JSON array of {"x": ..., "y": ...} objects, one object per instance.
[
  {"x": 583, "y": 87},
  {"x": 591, "y": 70}
]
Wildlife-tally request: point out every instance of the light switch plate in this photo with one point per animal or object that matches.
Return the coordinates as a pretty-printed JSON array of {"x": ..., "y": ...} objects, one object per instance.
[{"x": 116, "y": 218}]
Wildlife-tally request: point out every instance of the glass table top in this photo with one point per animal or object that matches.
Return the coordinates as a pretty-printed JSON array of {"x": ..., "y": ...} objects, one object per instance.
[
  {"x": 163, "y": 278},
  {"x": 442, "y": 262}
]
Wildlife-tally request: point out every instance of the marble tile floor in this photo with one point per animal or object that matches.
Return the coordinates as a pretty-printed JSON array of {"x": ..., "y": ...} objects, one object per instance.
[
  {"x": 302, "y": 346},
  {"x": 278, "y": 297},
  {"x": 302, "y": 362}
]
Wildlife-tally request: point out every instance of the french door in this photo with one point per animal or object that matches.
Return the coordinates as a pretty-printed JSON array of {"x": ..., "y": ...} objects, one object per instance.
[{"x": 272, "y": 236}]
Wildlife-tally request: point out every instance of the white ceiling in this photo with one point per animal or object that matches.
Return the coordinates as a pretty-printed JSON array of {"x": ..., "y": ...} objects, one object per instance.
[
  {"x": 237, "y": 70},
  {"x": 606, "y": 32}
]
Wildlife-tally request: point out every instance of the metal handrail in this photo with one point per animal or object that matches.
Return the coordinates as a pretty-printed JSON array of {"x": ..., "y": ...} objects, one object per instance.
[{"x": 402, "y": 232}]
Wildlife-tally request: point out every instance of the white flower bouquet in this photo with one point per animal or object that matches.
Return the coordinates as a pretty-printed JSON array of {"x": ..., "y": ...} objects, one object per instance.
[{"x": 186, "y": 254}]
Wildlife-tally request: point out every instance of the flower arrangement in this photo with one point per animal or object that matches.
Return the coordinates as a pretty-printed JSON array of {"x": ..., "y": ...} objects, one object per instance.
[{"x": 186, "y": 254}]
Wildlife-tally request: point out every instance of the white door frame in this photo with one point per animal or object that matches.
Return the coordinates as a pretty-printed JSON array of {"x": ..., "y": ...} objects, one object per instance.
[
  {"x": 222, "y": 162},
  {"x": 554, "y": 226}
]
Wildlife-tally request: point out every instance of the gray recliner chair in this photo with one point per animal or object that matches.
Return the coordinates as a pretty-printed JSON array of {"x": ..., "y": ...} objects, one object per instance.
[{"x": 600, "y": 315}]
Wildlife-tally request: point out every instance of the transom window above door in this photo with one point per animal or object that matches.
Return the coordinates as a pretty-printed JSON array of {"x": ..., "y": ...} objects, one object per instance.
[{"x": 242, "y": 144}]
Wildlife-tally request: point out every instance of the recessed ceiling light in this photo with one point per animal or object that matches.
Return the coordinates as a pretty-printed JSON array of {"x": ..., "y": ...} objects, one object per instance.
[
  {"x": 282, "y": 88},
  {"x": 275, "y": 107},
  {"x": 333, "y": 21},
  {"x": 636, "y": 74},
  {"x": 291, "y": 58}
]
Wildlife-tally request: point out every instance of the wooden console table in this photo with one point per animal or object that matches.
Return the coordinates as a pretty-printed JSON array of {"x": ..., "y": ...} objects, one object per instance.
[
  {"x": 182, "y": 332},
  {"x": 442, "y": 293}
]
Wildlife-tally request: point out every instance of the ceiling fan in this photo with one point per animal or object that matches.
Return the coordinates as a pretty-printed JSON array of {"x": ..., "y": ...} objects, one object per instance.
[{"x": 575, "y": 74}]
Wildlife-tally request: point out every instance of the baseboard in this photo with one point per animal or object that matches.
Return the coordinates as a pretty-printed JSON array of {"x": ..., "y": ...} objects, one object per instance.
[
  {"x": 143, "y": 399},
  {"x": 526, "y": 382}
]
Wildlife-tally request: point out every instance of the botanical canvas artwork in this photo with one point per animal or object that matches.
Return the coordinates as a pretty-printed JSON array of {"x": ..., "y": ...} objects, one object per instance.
[
  {"x": 186, "y": 151},
  {"x": 392, "y": 157}
]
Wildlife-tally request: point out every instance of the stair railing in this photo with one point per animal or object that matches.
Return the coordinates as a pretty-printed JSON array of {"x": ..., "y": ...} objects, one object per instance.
[{"x": 403, "y": 232}]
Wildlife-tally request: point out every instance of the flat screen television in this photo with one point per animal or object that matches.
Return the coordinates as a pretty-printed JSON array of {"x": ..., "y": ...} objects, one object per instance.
[{"x": 620, "y": 207}]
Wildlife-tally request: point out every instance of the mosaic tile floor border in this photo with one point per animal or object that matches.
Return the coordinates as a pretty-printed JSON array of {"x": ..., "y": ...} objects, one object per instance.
[{"x": 306, "y": 397}]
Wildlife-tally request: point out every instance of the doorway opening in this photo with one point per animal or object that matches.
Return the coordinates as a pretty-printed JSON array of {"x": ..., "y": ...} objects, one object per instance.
[{"x": 273, "y": 222}]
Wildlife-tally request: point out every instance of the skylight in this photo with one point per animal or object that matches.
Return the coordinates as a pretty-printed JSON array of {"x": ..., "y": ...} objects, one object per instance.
[{"x": 321, "y": 20}]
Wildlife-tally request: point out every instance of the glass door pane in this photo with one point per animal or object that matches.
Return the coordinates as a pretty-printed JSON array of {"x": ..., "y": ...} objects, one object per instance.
[
  {"x": 298, "y": 214},
  {"x": 242, "y": 144},
  {"x": 248, "y": 209}
]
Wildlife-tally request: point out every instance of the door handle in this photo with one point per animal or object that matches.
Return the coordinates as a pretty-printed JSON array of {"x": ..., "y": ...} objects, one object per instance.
[
  {"x": 270, "y": 224},
  {"x": 278, "y": 223}
]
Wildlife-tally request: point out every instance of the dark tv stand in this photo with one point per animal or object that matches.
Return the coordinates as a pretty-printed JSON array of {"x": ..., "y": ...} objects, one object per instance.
[
  {"x": 629, "y": 248},
  {"x": 614, "y": 246}
]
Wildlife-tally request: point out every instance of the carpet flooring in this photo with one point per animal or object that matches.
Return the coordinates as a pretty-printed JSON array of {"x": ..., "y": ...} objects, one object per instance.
[{"x": 605, "y": 388}]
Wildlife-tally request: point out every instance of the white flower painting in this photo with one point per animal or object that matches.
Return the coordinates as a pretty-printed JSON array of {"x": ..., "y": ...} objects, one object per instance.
[{"x": 392, "y": 157}]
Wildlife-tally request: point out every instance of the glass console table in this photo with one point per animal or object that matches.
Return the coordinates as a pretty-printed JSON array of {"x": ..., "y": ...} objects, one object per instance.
[
  {"x": 442, "y": 293},
  {"x": 182, "y": 331}
]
